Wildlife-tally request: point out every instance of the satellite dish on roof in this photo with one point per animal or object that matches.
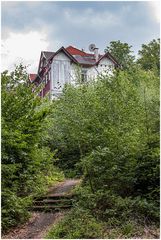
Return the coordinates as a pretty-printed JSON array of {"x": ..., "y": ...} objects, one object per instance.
[{"x": 92, "y": 46}]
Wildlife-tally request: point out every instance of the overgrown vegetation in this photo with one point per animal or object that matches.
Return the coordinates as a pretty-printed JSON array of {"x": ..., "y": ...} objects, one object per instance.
[
  {"x": 108, "y": 131},
  {"x": 83, "y": 224},
  {"x": 105, "y": 131},
  {"x": 27, "y": 164}
]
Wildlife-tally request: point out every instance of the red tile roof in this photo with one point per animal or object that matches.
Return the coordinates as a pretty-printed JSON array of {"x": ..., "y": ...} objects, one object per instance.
[
  {"x": 83, "y": 57},
  {"x": 76, "y": 51}
]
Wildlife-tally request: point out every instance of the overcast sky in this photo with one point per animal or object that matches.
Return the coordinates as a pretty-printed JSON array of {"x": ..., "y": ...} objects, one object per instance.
[{"x": 31, "y": 27}]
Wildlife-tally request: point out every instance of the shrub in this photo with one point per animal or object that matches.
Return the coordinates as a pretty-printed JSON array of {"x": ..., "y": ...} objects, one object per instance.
[
  {"x": 14, "y": 209},
  {"x": 78, "y": 224},
  {"x": 27, "y": 165},
  {"x": 107, "y": 205}
]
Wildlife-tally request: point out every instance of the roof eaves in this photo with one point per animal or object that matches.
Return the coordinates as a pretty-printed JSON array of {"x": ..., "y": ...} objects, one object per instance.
[
  {"x": 112, "y": 58},
  {"x": 107, "y": 54},
  {"x": 47, "y": 54},
  {"x": 42, "y": 54},
  {"x": 66, "y": 52}
]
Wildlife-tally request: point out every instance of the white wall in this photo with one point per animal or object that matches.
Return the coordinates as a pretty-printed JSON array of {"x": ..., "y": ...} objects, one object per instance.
[
  {"x": 60, "y": 72},
  {"x": 103, "y": 67}
]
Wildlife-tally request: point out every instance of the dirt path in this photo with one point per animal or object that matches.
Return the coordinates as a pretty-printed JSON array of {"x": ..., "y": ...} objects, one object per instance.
[
  {"x": 64, "y": 187},
  {"x": 40, "y": 222}
]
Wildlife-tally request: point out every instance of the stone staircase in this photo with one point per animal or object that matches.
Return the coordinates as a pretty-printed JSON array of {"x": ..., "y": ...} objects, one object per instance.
[
  {"x": 52, "y": 203},
  {"x": 58, "y": 198}
]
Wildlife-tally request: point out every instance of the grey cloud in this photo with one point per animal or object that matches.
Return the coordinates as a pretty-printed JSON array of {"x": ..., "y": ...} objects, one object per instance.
[
  {"x": 80, "y": 23},
  {"x": 27, "y": 15}
]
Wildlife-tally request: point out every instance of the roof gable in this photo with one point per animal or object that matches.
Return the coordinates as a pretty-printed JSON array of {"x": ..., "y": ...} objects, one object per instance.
[
  {"x": 42, "y": 56},
  {"x": 108, "y": 55},
  {"x": 62, "y": 49},
  {"x": 47, "y": 54}
]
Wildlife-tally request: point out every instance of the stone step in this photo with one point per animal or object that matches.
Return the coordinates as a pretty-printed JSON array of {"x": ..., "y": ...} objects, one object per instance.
[
  {"x": 59, "y": 196},
  {"x": 54, "y": 197},
  {"x": 49, "y": 208},
  {"x": 53, "y": 202}
]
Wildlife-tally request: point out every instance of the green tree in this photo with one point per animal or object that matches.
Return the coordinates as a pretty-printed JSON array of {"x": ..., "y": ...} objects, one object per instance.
[
  {"x": 110, "y": 129},
  {"x": 122, "y": 52},
  {"x": 149, "y": 56},
  {"x": 26, "y": 163}
]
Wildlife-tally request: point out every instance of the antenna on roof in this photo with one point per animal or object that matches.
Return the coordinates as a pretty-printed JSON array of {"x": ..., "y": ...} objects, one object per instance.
[{"x": 92, "y": 47}]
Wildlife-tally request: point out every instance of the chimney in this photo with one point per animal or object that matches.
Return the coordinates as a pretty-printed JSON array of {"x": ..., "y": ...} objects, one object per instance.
[{"x": 96, "y": 53}]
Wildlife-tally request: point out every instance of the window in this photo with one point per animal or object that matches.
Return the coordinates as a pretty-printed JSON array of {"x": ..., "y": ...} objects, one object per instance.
[
  {"x": 61, "y": 69},
  {"x": 84, "y": 75},
  {"x": 46, "y": 78}
]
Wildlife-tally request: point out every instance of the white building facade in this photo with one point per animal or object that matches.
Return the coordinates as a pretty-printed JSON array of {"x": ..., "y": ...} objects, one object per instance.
[{"x": 68, "y": 66}]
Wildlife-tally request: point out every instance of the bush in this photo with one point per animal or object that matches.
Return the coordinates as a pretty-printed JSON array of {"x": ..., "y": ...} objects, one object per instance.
[
  {"x": 109, "y": 130},
  {"x": 27, "y": 165},
  {"x": 107, "y": 205},
  {"x": 14, "y": 209},
  {"x": 78, "y": 224}
]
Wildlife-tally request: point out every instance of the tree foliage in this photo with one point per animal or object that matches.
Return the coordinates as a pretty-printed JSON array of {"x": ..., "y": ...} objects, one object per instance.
[
  {"x": 122, "y": 52},
  {"x": 149, "y": 56},
  {"x": 112, "y": 126},
  {"x": 27, "y": 165},
  {"x": 107, "y": 131}
]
